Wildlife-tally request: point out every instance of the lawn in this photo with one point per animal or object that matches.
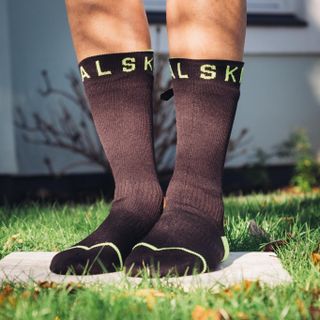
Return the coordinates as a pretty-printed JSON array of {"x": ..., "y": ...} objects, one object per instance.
[{"x": 293, "y": 218}]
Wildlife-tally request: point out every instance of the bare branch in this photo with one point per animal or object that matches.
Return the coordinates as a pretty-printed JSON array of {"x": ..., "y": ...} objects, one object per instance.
[{"x": 67, "y": 134}]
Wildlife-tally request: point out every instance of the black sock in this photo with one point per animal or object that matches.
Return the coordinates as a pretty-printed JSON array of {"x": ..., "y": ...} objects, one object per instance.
[
  {"x": 119, "y": 91},
  {"x": 190, "y": 234}
]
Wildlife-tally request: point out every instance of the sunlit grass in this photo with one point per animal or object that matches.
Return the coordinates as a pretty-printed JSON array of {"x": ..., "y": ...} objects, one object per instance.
[{"x": 51, "y": 228}]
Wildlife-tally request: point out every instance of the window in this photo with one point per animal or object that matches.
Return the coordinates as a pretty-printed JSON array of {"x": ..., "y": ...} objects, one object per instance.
[
  {"x": 275, "y": 12},
  {"x": 272, "y": 6},
  {"x": 260, "y": 12},
  {"x": 155, "y": 5}
]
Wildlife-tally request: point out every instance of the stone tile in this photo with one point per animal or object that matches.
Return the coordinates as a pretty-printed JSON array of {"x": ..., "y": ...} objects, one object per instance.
[{"x": 23, "y": 267}]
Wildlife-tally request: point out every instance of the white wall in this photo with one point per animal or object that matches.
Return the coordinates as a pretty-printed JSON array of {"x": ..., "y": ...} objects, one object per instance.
[
  {"x": 40, "y": 39},
  {"x": 280, "y": 91},
  {"x": 8, "y": 163},
  {"x": 288, "y": 40}
]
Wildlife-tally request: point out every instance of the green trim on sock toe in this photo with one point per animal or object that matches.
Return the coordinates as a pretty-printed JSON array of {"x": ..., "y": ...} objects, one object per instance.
[
  {"x": 226, "y": 248},
  {"x": 154, "y": 248},
  {"x": 203, "y": 260},
  {"x": 106, "y": 244}
]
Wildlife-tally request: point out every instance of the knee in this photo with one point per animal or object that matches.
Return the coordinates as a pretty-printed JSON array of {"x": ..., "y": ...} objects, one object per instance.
[
  {"x": 179, "y": 15},
  {"x": 111, "y": 7}
]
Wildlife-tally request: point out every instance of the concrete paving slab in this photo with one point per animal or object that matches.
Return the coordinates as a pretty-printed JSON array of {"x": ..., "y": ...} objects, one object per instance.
[{"x": 22, "y": 267}]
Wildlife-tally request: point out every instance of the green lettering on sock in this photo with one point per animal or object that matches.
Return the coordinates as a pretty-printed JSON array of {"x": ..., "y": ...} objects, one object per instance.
[
  {"x": 180, "y": 75},
  {"x": 100, "y": 72},
  {"x": 148, "y": 64},
  {"x": 230, "y": 73},
  {"x": 84, "y": 73},
  {"x": 129, "y": 64},
  {"x": 208, "y": 71}
]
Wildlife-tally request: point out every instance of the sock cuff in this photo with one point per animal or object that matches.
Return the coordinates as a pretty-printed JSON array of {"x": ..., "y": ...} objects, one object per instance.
[
  {"x": 219, "y": 71},
  {"x": 107, "y": 65}
]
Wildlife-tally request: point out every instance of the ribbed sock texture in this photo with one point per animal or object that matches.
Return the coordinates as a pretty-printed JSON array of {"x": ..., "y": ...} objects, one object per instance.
[
  {"x": 206, "y": 94},
  {"x": 119, "y": 91}
]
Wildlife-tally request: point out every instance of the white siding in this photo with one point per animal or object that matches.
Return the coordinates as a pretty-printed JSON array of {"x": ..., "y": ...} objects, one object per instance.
[
  {"x": 40, "y": 39},
  {"x": 280, "y": 92},
  {"x": 8, "y": 163}
]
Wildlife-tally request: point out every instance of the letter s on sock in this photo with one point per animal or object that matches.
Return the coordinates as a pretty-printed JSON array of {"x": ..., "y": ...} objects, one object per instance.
[
  {"x": 129, "y": 64},
  {"x": 208, "y": 71}
]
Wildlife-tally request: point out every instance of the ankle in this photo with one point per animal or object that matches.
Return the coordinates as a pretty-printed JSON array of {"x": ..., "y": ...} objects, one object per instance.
[
  {"x": 145, "y": 195},
  {"x": 204, "y": 202}
]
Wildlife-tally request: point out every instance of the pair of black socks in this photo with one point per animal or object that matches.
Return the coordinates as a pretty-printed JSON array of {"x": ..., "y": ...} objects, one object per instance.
[{"x": 187, "y": 235}]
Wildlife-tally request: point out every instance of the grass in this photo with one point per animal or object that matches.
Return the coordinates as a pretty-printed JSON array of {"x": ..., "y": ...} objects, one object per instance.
[{"x": 54, "y": 227}]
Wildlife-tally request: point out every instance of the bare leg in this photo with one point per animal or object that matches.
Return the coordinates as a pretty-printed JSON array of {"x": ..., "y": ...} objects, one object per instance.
[
  {"x": 206, "y": 29},
  {"x": 107, "y": 26}
]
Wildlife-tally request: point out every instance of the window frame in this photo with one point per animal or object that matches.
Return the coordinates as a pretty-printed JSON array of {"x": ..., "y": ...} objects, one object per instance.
[
  {"x": 272, "y": 6},
  {"x": 285, "y": 13}
]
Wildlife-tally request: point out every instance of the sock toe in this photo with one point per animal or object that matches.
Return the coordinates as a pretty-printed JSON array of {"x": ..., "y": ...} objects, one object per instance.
[
  {"x": 85, "y": 262},
  {"x": 163, "y": 263},
  {"x": 62, "y": 263},
  {"x": 179, "y": 244},
  {"x": 105, "y": 249}
]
